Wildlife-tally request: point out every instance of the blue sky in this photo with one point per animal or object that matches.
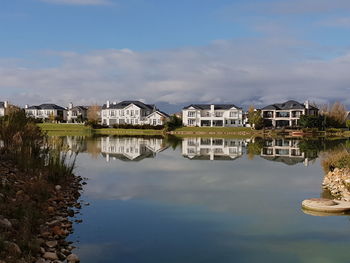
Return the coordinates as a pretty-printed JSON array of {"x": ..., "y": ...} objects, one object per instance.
[{"x": 174, "y": 52}]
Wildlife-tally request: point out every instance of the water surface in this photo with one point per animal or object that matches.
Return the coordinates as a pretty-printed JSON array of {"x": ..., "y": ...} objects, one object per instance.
[{"x": 204, "y": 200}]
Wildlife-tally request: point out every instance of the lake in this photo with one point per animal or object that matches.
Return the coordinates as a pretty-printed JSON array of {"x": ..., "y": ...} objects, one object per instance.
[{"x": 204, "y": 200}]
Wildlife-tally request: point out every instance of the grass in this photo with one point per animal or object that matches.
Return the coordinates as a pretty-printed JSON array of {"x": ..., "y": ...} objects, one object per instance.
[
  {"x": 128, "y": 132},
  {"x": 63, "y": 127},
  {"x": 220, "y": 130},
  {"x": 339, "y": 158}
]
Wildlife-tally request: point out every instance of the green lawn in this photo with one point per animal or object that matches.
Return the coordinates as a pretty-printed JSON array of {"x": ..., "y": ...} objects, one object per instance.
[
  {"x": 63, "y": 127},
  {"x": 112, "y": 131}
]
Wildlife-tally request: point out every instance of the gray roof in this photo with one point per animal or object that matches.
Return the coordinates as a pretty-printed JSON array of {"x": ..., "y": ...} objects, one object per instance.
[
  {"x": 80, "y": 108},
  {"x": 46, "y": 106},
  {"x": 288, "y": 105},
  {"x": 123, "y": 104},
  {"x": 216, "y": 106}
]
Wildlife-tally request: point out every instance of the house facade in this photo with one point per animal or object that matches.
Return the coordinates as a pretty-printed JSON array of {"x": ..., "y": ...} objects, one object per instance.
[
  {"x": 76, "y": 114},
  {"x": 212, "y": 115},
  {"x": 46, "y": 111},
  {"x": 3, "y": 106},
  {"x": 212, "y": 148},
  {"x": 132, "y": 112},
  {"x": 286, "y": 114}
]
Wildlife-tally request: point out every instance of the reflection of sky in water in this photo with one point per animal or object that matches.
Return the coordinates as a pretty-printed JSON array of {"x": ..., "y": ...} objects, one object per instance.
[{"x": 172, "y": 209}]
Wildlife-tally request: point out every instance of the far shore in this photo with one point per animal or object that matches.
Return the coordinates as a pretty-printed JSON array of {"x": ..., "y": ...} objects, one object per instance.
[{"x": 246, "y": 132}]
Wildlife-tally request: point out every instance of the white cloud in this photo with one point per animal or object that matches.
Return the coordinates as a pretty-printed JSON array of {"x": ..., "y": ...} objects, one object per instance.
[
  {"x": 337, "y": 22},
  {"x": 78, "y": 2},
  {"x": 243, "y": 72}
]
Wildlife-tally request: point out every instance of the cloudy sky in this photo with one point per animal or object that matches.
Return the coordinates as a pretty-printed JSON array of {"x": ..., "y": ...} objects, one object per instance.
[{"x": 174, "y": 52}]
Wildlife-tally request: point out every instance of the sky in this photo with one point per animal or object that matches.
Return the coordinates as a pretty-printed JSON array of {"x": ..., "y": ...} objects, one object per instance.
[{"x": 174, "y": 53}]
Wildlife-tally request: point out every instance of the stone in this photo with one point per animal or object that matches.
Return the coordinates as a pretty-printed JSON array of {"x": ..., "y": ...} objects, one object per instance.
[
  {"x": 13, "y": 248},
  {"x": 50, "y": 256},
  {"x": 40, "y": 260},
  {"x": 58, "y": 187},
  {"x": 51, "y": 244},
  {"x": 5, "y": 223},
  {"x": 72, "y": 258},
  {"x": 50, "y": 209}
]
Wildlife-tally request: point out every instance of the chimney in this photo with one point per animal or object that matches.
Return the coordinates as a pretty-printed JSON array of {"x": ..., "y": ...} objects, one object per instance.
[
  {"x": 107, "y": 104},
  {"x": 212, "y": 107},
  {"x": 307, "y": 104},
  {"x": 70, "y": 106},
  {"x": 26, "y": 106},
  {"x": 6, "y": 104},
  {"x": 114, "y": 103}
]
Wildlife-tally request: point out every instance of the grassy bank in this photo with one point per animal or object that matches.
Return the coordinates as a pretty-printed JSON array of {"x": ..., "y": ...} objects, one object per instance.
[
  {"x": 36, "y": 171},
  {"x": 127, "y": 132}
]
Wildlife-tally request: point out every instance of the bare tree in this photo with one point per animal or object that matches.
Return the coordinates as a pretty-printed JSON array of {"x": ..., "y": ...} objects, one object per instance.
[{"x": 94, "y": 113}]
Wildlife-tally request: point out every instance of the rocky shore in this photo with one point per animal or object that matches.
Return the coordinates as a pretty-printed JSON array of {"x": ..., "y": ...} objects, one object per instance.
[
  {"x": 338, "y": 183},
  {"x": 24, "y": 197}
]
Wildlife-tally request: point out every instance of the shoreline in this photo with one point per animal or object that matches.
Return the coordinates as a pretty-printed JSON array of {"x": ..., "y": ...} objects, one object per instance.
[
  {"x": 82, "y": 130},
  {"x": 55, "y": 207}
]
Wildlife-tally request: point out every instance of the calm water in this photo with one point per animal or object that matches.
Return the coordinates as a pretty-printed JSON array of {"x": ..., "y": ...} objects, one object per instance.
[{"x": 204, "y": 200}]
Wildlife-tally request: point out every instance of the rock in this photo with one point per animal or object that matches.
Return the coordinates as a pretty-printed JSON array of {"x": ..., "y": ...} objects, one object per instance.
[
  {"x": 5, "y": 223},
  {"x": 40, "y": 260},
  {"x": 58, "y": 187},
  {"x": 72, "y": 258},
  {"x": 51, "y": 243},
  {"x": 50, "y": 209},
  {"x": 13, "y": 248},
  {"x": 70, "y": 212},
  {"x": 50, "y": 256}
]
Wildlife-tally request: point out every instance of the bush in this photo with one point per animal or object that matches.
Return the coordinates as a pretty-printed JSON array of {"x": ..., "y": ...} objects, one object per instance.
[
  {"x": 334, "y": 130},
  {"x": 339, "y": 158},
  {"x": 173, "y": 123}
]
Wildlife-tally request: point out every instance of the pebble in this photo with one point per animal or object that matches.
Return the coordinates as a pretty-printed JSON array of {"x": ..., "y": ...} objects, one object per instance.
[
  {"x": 50, "y": 256},
  {"x": 72, "y": 258},
  {"x": 51, "y": 243}
]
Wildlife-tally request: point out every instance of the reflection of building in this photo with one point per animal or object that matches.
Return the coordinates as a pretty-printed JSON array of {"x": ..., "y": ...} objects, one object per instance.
[
  {"x": 214, "y": 115},
  {"x": 287, "y": 114},
  {"x": 283, "y": 150},
  {"x": 212, "y": 148},
  {"x": 130, "y": 148}
]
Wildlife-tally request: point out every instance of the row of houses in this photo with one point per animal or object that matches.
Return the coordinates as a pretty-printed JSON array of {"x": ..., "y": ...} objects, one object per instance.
[{"x": 285, "y": 114}]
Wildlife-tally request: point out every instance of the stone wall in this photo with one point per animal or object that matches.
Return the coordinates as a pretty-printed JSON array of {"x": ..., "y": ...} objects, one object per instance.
[{"x": 338, "y": 183}]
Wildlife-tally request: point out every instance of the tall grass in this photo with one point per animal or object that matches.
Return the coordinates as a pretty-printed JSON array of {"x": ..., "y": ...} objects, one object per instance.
[
  {"x": 337, "y": 158},
  {"x": 41, "y": 163}
]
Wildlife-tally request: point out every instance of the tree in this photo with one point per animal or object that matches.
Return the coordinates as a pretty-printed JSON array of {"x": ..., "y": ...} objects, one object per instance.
[
  {"x": 254, "y": 118},
  {"x": 94, "y": 113},
  {"x": 334, "y": 115},
  {"x": 308, "y": 121},
  {"x": 173, "y": 123}
]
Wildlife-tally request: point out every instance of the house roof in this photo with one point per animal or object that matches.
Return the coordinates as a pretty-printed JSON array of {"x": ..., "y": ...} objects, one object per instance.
[
  {"x": 161, "y": 113},
  {"x": 47, "y": 106},
  {"x": 80, "y": 108},
  {"x": 288, "y": 105},
  {"x": 123, "y": 104},
  {"x": 2, "y": 104},
  {"x": 216, "y": 106}
]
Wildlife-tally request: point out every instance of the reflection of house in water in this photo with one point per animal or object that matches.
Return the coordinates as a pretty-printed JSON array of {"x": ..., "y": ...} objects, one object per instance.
[
  {"x": 283, "y": 150},
  {"x": 212, "y": 148},
  {"x": 131, "y": 148}
]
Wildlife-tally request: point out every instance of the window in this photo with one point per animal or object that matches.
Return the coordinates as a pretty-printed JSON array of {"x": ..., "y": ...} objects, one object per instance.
[
  {"x": 233, "y": 114},
  {"x": 191, "y": 114},
  {"x": 112, "y": 113},
  {"x": 127, "y": 112},
  {"x": 132, "y": 112},
  {"x": 122, "y": 111},
  {"x": 191, "y": 122},
  {"x": 154, "y": 121}
]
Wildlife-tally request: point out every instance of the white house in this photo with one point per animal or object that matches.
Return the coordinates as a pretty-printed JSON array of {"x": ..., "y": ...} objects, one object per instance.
[
  {"x": 3, "y": 107},
  {"x": 76, "y": 113},
  {"x": 212, "y": 115},
  {"x": 132, "y": 112},
  {"x": 212, "y": 148},
  {"x": 130, "y": 148},
  {"x": 286, "y": 114},
  {"x": 46, "y": 111}
]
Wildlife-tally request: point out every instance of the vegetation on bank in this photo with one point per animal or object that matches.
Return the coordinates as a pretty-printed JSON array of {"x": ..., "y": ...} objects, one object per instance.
[
  {"x": 30, "y": 165},
  {"x": 338, "y": 158}
]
